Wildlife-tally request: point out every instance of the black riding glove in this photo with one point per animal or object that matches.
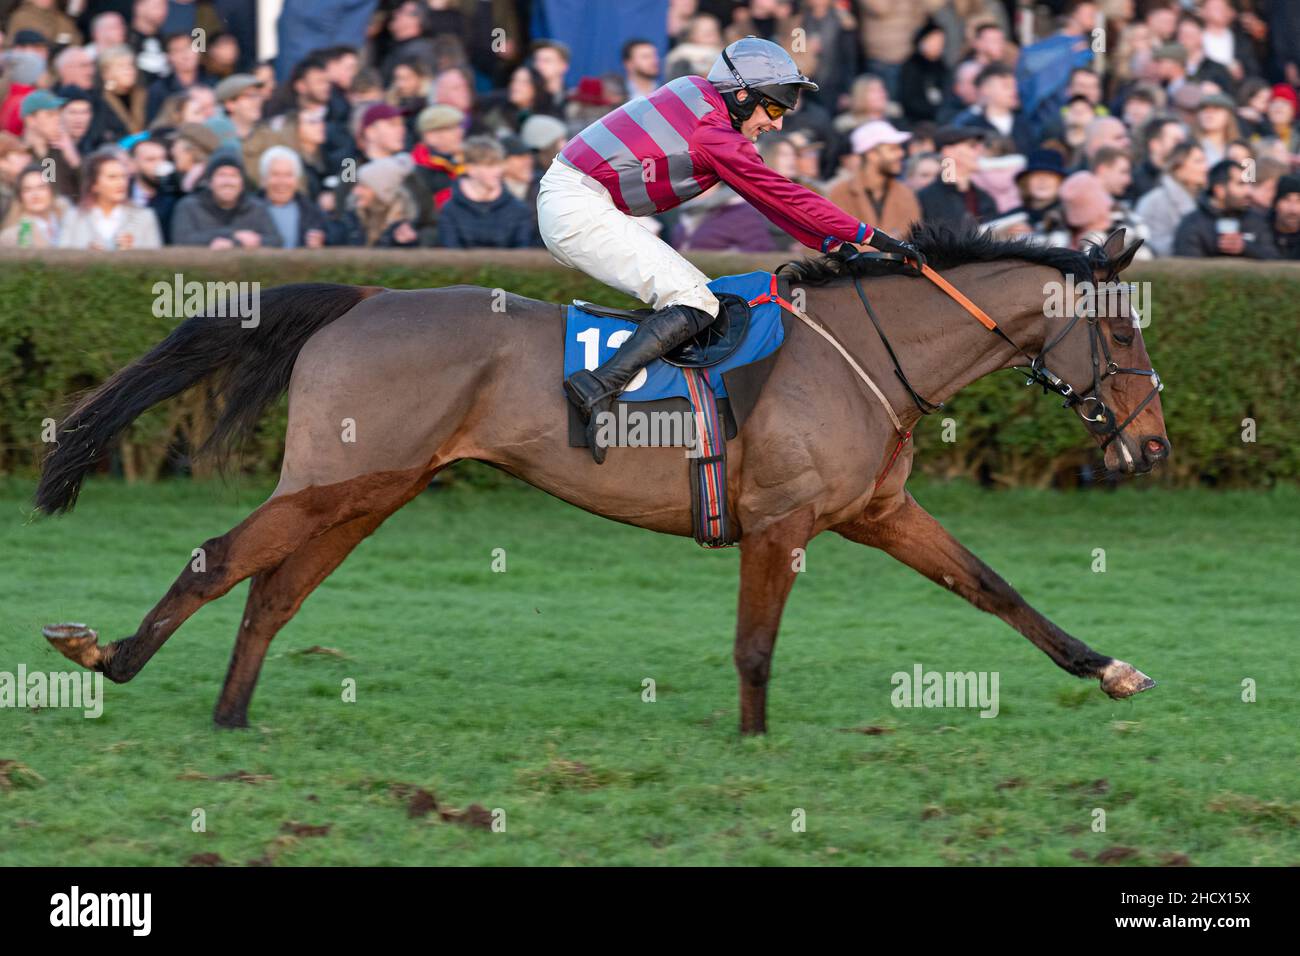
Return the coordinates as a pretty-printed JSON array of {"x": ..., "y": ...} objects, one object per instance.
[{"x": 887, "y": 243}]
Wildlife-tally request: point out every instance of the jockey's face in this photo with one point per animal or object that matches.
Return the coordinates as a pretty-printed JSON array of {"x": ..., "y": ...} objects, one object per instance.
[{"x": 759, "y": 122}]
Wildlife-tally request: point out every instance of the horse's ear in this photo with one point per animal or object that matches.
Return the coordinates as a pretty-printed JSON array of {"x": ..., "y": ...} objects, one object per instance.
[
  {"x": 1125, "y": 259},
  {"x": 1114, "y": 244}
]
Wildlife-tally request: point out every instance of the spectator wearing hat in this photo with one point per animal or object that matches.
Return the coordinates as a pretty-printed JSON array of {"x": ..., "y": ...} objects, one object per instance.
[
  {"x": 382, "y": 132},
  {"x": 24, "y": 70},
  {"x": 1285, "y": 218},
  {"x": 1170, "y": 61},
  {"x": 588, "y": 102},
  {"x": 551, "y": 59},
  {"x": 105, "y": 219},
  {"x": 381, "y": 208},
  {"x": 872, "y": 191},
  {"x": 545, "y": 136},
  {"x": 297, "y": 219},
  {"x": 481, "y": 212},
  {"x": 44, "y": 17},
  {"x": 641, "y": 67},
  {"x": 242, "y": 96},
  {"x": 191, "y": 148},
  {"x": 1164, "y": 207},
  {"x": 44, "y": 135},
  {"x": 997, "y": 106},
  {"x": 1223, "y": 222},
  {"x": 35, "y": 217},
  {"x": 953, "y": 200},
  {"x": 1280, "y": 117},
  {"x": 924, "y": 76},
  {"x": 1039, "y": 183},
  {"x": 184, "y": 71},
  {"x": 1216, "y": 125},
  {"x": 1156, "y": 140},
  {"x": 15, "y": 156},
  {"x": 438, "y": 161},
  {"x": 223, "y": 213}
]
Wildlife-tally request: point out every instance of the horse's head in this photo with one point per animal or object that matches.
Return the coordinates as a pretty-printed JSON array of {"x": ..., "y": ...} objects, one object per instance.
[{"x": 1100, "y": 354}]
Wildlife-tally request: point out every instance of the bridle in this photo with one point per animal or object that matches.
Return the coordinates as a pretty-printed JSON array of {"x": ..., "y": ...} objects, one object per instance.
[{"x": 1099, "y": 418}]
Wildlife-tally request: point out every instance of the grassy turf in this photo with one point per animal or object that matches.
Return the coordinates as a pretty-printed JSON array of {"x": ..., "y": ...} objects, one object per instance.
[{"x": 523, "y": 691}]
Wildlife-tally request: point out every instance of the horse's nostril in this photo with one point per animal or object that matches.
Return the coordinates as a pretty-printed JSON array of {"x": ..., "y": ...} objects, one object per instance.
[{"x": 1156, "y": 448}]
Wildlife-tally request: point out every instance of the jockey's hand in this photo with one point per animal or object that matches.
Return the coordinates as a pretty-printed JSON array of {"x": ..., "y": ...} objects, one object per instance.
[{"x": 887, "y": 243}]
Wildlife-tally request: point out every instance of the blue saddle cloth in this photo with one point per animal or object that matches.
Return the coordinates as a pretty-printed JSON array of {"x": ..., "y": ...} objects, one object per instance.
[{"x": 591, "y": 339}]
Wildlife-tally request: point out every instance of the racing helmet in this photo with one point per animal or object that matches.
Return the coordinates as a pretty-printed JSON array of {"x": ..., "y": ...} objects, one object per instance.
[{"x": 763, "y": 68}]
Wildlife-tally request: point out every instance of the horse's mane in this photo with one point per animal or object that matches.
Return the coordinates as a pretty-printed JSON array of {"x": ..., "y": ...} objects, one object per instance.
[{"x": 945, "y": 248}]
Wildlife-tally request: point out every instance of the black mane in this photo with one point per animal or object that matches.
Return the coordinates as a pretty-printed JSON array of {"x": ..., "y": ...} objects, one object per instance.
[{"x": 945, "y": 248}]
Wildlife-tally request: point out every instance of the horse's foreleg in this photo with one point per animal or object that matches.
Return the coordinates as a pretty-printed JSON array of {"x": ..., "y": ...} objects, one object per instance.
[
  {"x": 767, "y": 570},
  {"x": 910, "y": 534}
]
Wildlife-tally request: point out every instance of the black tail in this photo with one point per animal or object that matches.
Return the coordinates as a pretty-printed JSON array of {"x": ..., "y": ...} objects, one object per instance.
[{"x": 253, "y": 366}]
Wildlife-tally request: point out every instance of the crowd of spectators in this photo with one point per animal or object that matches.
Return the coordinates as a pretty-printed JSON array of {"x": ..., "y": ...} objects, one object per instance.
[{"x": 140, "y": 123}]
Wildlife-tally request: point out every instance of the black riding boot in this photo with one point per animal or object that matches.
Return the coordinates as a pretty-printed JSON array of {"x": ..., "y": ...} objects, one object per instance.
[{"x": 594, "y": 391}]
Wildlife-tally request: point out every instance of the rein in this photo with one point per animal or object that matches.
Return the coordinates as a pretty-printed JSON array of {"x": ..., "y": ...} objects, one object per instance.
[{"x": 1102, "y": 422}]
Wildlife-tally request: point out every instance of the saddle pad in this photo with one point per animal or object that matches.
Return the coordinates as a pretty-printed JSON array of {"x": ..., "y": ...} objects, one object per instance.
[{"x": 589, "y": 340}]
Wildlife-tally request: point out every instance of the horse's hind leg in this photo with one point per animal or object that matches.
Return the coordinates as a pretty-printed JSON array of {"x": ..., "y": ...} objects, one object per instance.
[
  {"x": 910, "y": 534},
  {"x": 261, "y": 541},
  {"x": 274, "y": 598}
]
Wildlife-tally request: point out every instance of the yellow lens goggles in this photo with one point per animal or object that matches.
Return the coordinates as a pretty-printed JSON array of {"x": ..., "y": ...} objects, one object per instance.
[{"x": 773, "y": 109}]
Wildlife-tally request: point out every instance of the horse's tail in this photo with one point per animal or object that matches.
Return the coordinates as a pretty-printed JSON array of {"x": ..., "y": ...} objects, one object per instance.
[{"x": 252, "y": 364}]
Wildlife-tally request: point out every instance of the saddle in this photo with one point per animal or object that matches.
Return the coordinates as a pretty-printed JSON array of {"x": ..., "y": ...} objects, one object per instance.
[{"x": 714, "y": 344}]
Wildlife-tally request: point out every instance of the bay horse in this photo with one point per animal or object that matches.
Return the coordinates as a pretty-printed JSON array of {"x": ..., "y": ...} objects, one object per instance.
[{"x": 430, "y": 377}]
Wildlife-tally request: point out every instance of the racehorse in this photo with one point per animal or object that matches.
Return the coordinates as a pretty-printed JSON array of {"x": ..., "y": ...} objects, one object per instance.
[{"x": 427, "y": 378}]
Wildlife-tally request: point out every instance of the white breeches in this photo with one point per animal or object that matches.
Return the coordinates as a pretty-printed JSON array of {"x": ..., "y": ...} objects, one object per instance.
[{"x": 584, "y": 230}]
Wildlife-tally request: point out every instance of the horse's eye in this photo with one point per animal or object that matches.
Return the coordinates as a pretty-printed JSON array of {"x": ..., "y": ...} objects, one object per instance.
[{"x": 1123, "y": 338}]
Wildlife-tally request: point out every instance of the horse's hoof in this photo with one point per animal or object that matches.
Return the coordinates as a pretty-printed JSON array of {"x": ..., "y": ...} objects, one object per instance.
[
  {"x": 77, "y": 642},
  {"x": 1120, "y": 679}
]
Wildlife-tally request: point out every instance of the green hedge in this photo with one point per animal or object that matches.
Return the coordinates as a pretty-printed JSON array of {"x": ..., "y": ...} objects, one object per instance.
[{"x": 1224, "y": 338}]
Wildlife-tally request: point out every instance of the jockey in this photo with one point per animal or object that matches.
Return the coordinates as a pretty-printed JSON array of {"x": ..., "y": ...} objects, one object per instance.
[{"x": 654, "y": 153}]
